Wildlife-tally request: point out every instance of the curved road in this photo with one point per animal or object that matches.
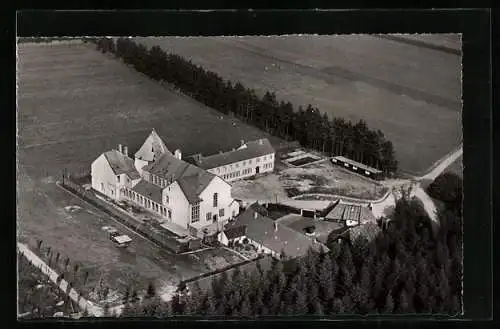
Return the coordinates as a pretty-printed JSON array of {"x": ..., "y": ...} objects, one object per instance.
[{"x": 417, "y": 190}]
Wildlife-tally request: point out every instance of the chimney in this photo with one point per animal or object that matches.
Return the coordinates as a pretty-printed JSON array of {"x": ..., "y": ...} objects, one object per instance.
[
  {"x": 178, "y": 154},
  {"x": 255, "y": 214},
  {"x": 120, "y": 148},
  {"x": 275, "y": 226},
  {"x": 125, "y": 151},
  {"x": 242, "y": 142}
]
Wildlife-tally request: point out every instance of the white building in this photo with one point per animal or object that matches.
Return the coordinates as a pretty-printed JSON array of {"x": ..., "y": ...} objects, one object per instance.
[
  {"x": 248, "y": 160},
  {"x": 112, "y": 171},
  {"x": 176, "y": 191}
]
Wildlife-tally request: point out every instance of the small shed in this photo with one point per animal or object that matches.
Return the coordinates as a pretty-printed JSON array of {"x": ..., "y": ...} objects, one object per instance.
[
  {"x": 232, "y": 235},
  {"x": 358, "y": 167}
]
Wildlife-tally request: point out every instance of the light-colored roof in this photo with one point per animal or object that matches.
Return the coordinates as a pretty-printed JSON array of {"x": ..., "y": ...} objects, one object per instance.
[
  {"x": 121, "y": 164},
  {"x": 252, "y": 150},
  {"x": 191, "y": 179},
  {"x": 357, "y": 213},
  {"x": 357, "y": 164},
  {"x": 122, "y": 239},
  {"x": 152, "y": 148},
  {"x": 148, "y": 190},
  {"x": 262, "y": 230}
]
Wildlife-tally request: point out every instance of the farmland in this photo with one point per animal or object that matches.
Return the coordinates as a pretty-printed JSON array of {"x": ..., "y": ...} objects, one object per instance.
[
  {"x": 75, "y": 103},
  {"x": 412, "y": 93}
]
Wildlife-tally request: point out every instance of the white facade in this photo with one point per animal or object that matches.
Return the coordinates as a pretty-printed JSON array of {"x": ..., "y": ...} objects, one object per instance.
[
  {"x": 222, "y": 238},
  {"x": 104, "y": 179},
  {"x": 169, "y": 200},
  {"x": 107, "y": 182},
  {"x": 246, "y": 168}
]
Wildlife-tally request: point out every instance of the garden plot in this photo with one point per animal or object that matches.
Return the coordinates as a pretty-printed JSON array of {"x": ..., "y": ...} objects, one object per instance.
[{"x": 300, "y": 158}]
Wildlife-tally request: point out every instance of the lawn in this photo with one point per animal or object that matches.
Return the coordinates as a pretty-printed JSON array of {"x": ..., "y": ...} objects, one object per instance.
[{"x": 412, "y": 93}]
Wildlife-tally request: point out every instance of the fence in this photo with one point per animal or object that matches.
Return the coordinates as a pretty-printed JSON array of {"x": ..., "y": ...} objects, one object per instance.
[
  {"x": 146, "y": 229},
  {"x": 205, "y": 280},
  {"x": 282, "y": 208}
]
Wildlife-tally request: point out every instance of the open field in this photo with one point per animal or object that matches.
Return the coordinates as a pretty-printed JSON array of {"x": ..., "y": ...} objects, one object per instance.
[
  {"x": 75, "y": 103},
  {"x": 79, "y": 235},
  {"x": 411, "y": 92}
]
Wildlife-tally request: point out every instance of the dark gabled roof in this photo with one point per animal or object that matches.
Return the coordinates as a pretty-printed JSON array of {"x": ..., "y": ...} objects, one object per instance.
[
  {"x": 252, "y": 150},
  {"x": 235, "y": 232},
  {"x": 191, "y": 179},
  {"x": 352, "y": 212},
  {"x": 262, "y": 230},
  {"x": 357, "y": 164},
  {"x": 337, "y": 212},
  {"x": 148, "y": 190},
  {"x": 121, "y": 164},
  {"x": 152, "y": 148}
]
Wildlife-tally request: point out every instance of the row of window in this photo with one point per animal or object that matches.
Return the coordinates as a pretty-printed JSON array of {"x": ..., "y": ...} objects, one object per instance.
[
  {"x": 195, "y": 214},
  {"x": 244, "y": 163},
  {"x": 268, "y": 165},
  {"x": 231, "y": 175},
  {"x": 161, "y": 182},
  {"x": 148, "y": 204}
]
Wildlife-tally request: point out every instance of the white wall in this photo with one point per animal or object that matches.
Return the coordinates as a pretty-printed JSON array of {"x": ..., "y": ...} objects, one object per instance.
[
  {"x": 101, "y": 172},
  {"x": 225, "y": 171},
  {"x": 139, "y": 164},
  {"x": 178, "y": 204},
  {"x": 224, "y": 200}
]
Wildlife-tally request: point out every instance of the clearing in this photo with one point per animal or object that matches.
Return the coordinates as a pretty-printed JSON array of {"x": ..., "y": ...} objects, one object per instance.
[{"x": 410, "y": 91}]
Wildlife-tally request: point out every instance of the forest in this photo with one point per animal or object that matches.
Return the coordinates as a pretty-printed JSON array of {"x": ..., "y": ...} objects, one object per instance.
[
  {"x": 406, "y": 269},
  {"x": 335, "y": 136}
]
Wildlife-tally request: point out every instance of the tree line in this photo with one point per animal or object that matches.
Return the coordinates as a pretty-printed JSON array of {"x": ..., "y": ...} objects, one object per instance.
[
  {"x": 312, "y": 129},
  {"x": 408, "y": 268}
]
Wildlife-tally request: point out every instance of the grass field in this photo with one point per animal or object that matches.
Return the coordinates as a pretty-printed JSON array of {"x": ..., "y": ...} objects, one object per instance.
[
  {"x": 410, "y": 92},
  {"x": 75, "y": 103}
]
